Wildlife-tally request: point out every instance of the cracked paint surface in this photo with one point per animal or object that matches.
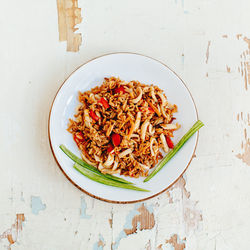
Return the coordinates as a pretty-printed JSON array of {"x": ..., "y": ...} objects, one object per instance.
[
  {"x": 37, "y": 205},
  {"x": 244, "y": 66},
  {"x": 175, "y": 243},
  {"x": 191, "y": 215},
  {"x": 100, "y": 244},
  {"x": 176, "y": 202},
  {"x": 245, "y": 155},
  {"x": 245, "y": 63},
  {"x": 212, "y": 58},
  {"x": 207, "y": 52},
  {"x": 13, "y": 232},
  {"x": 137, "y": 219},
  {"x": 83, "y": 209},
  {"x": 142, "y": 221}
]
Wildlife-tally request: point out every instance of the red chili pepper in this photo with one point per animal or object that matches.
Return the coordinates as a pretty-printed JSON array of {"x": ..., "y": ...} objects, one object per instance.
[
  {"x": 116, "y": 139},
  {"x": 151, "y": 110},
  {"x": 170, "y": 143},
  {"x": 93, "y": 115},
  {"x": 120, "y": 89},
  {"x": 104, "y": 103},
  {"x": 78, "y": 137},
  {"x": 110, "y": 148}
]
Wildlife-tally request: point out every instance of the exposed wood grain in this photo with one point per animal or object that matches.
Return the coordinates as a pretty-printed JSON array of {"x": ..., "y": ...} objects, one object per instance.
[
  {"x": 145, "y": 219},
  {"x": 198, "y": 211},
  {"x": 101, "y": 243},
  {"x": 239, "y": 36},
  {"x": 110, "y": 222},
  {"x": 12, "y": 233},
  {"x": 191, "y": 215},
  {"x": 207, "y": 52},
  {"x": 173, "y": 241},
  {"x": 69, "y": 15},
  {"x": 245, "y": 145},
  {"x": 159, "y": 247},
  {"x": 245, "y": 63},
  {"x": 228, "y": 69},
  {"x": 148, "y": 245}
]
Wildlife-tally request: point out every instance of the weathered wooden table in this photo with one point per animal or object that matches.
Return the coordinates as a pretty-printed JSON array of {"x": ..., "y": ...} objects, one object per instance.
[{"x": 206, "y": 42}]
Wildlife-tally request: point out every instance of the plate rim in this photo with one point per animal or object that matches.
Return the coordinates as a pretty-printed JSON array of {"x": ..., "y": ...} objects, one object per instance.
[{"x": 100, "y": 198}]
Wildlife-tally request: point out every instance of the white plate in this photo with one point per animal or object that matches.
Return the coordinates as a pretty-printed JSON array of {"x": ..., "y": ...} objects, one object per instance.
[{"x": 128, "y": 67}]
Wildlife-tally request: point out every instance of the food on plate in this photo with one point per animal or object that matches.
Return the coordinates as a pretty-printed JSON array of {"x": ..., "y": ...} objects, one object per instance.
[
  {"x": 98, "y": 178},
  {"x": 123, "y": 127},
  {"x": 95, "y": 175},
  {"x": 110, "y": 180},
  {"x": 89, "y": 167},
  {"x": 183, "y": 140}
]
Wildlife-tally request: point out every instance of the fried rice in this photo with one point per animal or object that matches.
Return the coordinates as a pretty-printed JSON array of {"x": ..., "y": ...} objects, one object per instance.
[{"x": 123, "y": 127}]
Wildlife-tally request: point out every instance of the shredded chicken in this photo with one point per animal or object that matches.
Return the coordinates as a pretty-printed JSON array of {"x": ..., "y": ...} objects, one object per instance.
[
  {"x": 121, "y": 126},
  {"x": 137, "y": 121},
  {"x": 169, "y": 126},
  {"x": 158, "y": 121},
  {"x": 164, "y": 143},
  {"x": 100, "y": 167},
  {"x": 87, "y": 118},
  {"x": 144, "y": 129},
  {"x": 126, "y": 152},
  {"x": 97, "y": 158},
  {"x": 163, "y": 112},
  {"x": 163, "y": 99},
  {"x": 109, "y": 161},
  {"x": 156, "y": 110},
  {"x": 92, "y": 97},
  {"x": 138, "y": 98},
  {"x": 152, "y": 92},
  {"x": 110, "y": 129},
  {"x": 115, "y": 166},
  {"x": 151, "y": 129},
  {"x": 144, "y": 167},
  {"x": 131, "y": 129},
  {"x": 152, "y": 141}
]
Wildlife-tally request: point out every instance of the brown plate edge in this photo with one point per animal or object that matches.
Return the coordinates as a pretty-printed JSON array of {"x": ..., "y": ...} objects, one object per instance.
[{"x": 106, "y": 200}]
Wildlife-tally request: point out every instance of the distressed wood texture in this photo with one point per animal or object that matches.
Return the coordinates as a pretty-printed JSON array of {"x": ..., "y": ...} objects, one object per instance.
[
  {"x": 69, "y": 15},
  {"x": 207, "y": 43}
]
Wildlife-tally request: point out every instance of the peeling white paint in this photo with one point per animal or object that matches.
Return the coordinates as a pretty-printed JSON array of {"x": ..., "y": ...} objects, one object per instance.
[{"x": 33, "y": 66}]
